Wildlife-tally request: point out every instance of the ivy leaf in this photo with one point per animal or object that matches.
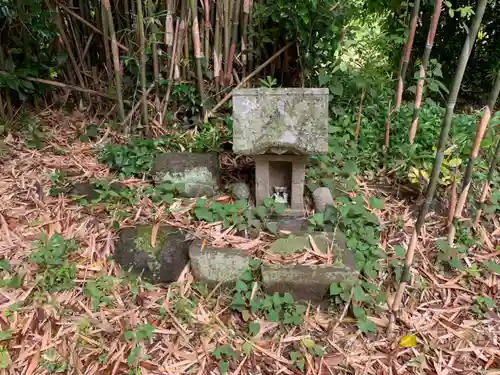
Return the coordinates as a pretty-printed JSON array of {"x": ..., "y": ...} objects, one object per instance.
[
  {"x": 376, "y": 203},
  {"x": 261, "y": 211},
  {"x": 359, "y": 294},
  {"x": 338, "y": 89},
  {"x": 272, "y": 227},
  {"x": 204, "y": 214},
  {"x": 268, "y": 202},
  {"x": 5, "y": 265},
  {"x": 254, "y": 329},
  {"x": 4, "y": 358},
  {"x": 5, "y": 335},
  {"x": 247, "y": 348},
  {"x": 366, "y": 325},
  {"x": 456, "y": 263},
  {"x": 241, "y": 286},
  {"x": 358, "y": 312},
  {"x": 273, "y": 316},
  {"x": 223, "y": 367},
  {"x": 279, "y": 208},
  {"x": 335, "y": 289},
  {"x": 400, "y": 251},
  {"x": 134, "y": 355},
  {"x": 492, "y": 266},
  {"x": 323, "y": 77}
]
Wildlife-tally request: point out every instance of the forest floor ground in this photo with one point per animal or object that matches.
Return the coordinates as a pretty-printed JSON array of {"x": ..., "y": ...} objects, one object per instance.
[{"x": 44, "y": 332}]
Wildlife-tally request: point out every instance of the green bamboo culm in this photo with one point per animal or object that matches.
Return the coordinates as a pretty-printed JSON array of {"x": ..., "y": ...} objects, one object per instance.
[
  {"x": 198, "y": 54},
  {"x": 487, "y": 183},
  {"x": 234, "y": 41},
  {"x": 467, "y": 178},
  {"x": 116, "y": 60},
  {"x": 154, "y": 50},
  {"x": 406, "y": 54},
  {"x": 443, "y": 139},
  {"x": 217, "y": 47},
  {"x": 142, "y": 68},
  {"x": 423, "y": 68}
]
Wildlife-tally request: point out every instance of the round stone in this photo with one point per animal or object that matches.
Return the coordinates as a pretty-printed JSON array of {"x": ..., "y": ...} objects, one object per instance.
[
  {"x": 240, "y": 190},
  {"x": 322, "y": 198}
]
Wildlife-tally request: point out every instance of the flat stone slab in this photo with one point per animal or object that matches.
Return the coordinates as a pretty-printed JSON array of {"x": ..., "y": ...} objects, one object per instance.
[
  {"x": 293, "y": 224},
  {"x": 212, "y": 265},
  {"x": 197, "y": 173},
  {"x": 304, "y": 282},
  {"x": 290, "y": 119},
  {"x": 297, "y": 243},
  {"x": 159, "y": 262}
]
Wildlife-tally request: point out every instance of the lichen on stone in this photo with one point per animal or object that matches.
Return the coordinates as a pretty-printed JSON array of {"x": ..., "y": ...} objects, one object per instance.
[{"x": 143, "y": 240}]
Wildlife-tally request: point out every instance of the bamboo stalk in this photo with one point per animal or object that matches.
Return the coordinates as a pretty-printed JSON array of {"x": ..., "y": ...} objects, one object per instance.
[
  {"x": 406, "y": 54},
  {"x": 86, "y": 49},
  {"x": 92, "y": 27},
  {"x": 60, "y": 26},
  {"x": 423, "y": 69},
  {"x": 116, "y": 61},
  {"x": 2, "y": 111},
  {"x": 126, "y": 13},
  {"x": 360, "y": 112},
  {"x": 453, "y": 198},
  {"x": 8, "y": 103},
  {"x": 169, "y": 27},
  {"x": 227, "y": 35},
  {"x": 431, "y": 187},
  {"x": 247, "y": 4},
  {"x": 183, "y": 33},
  {"x": 178, "y": 38},
  {"x": 154, "y": 50},
  {"x": 217, "y": 47},
  {"x": 197, "y": 53},
  {"x": 142, "y": 67},
  {"x": 207, "y": 30},
  {"x": 105, "y": 34},
  {"x": 467, "y": 178},
  {"x": 486, "y": 186},
  {"x": 76, "y": 38},
  {"x": 388, "y": 128},
  {"x": 247, "y": 78},
  {"x": 251, "y": 43},
  {"x": 234, "y": 41}
]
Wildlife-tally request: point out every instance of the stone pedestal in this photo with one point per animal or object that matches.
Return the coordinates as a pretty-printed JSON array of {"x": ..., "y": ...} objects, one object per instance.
[{"x": 281, "y": 170}]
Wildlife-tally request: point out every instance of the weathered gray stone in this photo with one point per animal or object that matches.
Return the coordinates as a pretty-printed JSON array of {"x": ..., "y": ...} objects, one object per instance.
[
  {"x": 162, "y": 262},
  {"x": 212, "y": 265},
  {"x": 240, "y": 190},
  {"x": 322, "y": 198},
  {"x": 322, "y": 240},
  {"x": 197, "y": 173},
  {"x": 310, "y": 282},
  {"x": 89, "y": 190},
  {"x": 304, "y": 282},
  {"x": 291, "y": 224},
  {"x": 280, "y": 120}
]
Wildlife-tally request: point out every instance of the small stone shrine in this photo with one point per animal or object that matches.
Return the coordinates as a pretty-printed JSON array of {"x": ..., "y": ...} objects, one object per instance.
[{"x": 280, "y": 127}]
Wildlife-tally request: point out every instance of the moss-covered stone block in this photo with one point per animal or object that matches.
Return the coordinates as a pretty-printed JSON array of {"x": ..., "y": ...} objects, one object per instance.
[
  {"x": 212, "y": 265},
  {"x": 196, "y": 173},
  {"x": 161, "y": 261}
]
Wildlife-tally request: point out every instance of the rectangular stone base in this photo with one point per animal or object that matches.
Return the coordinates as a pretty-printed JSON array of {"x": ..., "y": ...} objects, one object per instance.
[{"x": 295, "y": 213}]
